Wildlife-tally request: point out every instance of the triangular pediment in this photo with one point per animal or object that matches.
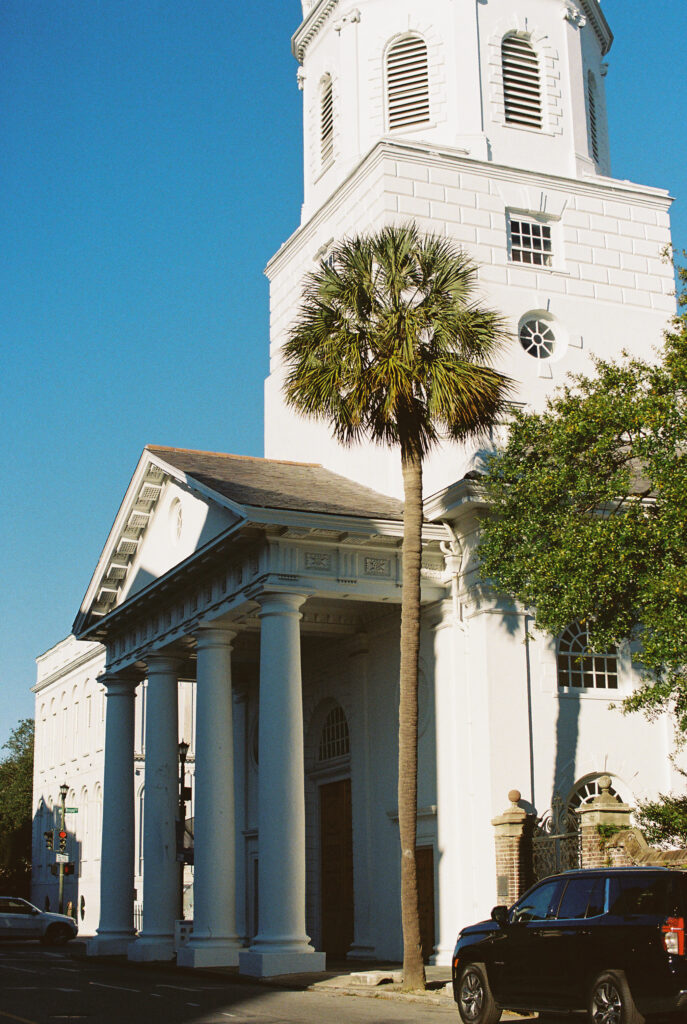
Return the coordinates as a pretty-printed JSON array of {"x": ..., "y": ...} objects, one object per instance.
[{"x": 165, "y": 517}]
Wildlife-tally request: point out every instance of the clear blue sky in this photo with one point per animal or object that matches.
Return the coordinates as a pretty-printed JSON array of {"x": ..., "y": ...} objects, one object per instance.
[{"x": 151, "y": 165}]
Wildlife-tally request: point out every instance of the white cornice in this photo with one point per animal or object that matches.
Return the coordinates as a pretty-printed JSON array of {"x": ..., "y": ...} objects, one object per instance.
[
  {"x": 444, "y": 156},
  {"x": 592, "y": 9},
  {"x": 310, "y": 27}
]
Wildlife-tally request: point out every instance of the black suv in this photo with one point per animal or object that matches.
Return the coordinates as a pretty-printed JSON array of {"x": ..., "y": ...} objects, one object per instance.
[{"x": 611, "y": 941}]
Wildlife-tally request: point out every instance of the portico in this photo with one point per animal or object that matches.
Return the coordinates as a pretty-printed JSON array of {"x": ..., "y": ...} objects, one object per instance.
[{"x": 260, "y": 586}]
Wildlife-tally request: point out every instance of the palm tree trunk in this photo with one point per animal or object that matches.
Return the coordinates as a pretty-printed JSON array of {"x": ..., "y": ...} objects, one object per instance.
[{"x": 413, "y": 965}]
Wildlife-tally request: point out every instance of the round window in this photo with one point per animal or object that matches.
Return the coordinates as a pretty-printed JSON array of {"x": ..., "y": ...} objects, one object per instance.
[{"x": 537, "y": 338}]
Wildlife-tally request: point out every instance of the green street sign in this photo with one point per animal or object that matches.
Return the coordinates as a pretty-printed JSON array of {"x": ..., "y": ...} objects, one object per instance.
[{"x": 71, "y": 810}]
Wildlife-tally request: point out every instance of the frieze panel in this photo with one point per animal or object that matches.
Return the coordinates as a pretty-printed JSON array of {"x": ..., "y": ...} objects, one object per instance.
[
  {"x": 320, "y": 561},
  {"x": 377, "y": 567}
]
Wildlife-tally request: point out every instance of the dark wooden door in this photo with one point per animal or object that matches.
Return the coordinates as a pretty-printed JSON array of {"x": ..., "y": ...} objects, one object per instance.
[
  {"x": 424, "y": 856},
  {"x": 336, "y": 868}
]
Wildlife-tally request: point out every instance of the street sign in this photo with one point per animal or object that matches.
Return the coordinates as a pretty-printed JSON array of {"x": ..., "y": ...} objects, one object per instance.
[
  {"x": 71, "y": 810},
  {"x": 62, "y": 858}
]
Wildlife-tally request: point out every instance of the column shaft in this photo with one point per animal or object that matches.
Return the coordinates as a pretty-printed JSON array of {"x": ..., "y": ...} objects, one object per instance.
[
  {"x": 214, "y": 941},
  {"x": 160, "y": 868},
  {"x": 281, "y": 946},
  {"x": 116, "y": 928}
]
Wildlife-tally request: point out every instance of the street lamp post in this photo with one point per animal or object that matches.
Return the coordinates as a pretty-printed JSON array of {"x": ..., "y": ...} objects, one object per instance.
[
  {"x": 181, "y": 822},
  {"x": 64, "y": 789}
]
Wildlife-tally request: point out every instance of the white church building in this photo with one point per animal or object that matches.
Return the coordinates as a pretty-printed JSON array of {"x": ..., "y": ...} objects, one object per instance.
[{"x": 251, "y": 607}]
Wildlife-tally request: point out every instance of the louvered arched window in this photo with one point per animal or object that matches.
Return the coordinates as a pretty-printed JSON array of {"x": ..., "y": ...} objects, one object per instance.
[
  {"x": 521, "y": 82},
  {"x": 593, "y": 121},
  {"x": 334, "y": 738},
  {"x": 407, "y": 78},
  {"x": 326, "y": 122}
]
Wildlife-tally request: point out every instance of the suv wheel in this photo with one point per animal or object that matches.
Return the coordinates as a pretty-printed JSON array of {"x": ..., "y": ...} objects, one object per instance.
[
  {"x": 611, "y": 1002},
  {"x": 475, "y": 1002},
  {"x": 57, "y": 935}
]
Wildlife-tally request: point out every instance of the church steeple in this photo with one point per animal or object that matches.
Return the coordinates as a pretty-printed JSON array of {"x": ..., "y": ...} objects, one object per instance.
[
  {"x": 485, "y": 121},
  {"x": 520, "y": 84}
]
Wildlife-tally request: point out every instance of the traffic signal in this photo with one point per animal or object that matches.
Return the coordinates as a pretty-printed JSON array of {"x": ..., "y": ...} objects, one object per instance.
[
  {"x": 63, "y": 840},
  {"x": 69, "y": 868},
  {"x": 49, "y": 841}
]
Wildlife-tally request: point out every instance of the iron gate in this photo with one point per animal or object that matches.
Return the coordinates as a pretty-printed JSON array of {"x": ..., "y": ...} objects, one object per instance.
[{"x": 556, "y": 841}]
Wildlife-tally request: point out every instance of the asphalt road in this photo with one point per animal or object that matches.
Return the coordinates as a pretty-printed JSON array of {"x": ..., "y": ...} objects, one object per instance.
[{"x": 41, "y": 986}]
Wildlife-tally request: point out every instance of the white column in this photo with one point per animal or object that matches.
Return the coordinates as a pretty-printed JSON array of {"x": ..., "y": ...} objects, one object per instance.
[
  {"x": 363, "y": 946},
  {"x": 281, "y": 945},
  {"x": 160, "y": 867},
  {"x": 240, "y": 751},
  {"x": 116, "y": 928},
  {"x": 214, "y": 942}
]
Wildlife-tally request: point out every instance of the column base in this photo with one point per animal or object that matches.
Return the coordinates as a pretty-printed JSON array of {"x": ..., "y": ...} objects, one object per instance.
[
  {"x": 149, "y": 948},
  {"x": 360, "y": 951},
  {"x": 269, "y": 965},
  {"x": 115, "y": 944},
  {"x": 209, "y": 954}
]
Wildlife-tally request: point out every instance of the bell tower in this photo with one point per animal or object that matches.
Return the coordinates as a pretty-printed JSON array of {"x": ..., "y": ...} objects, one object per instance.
[{"x": 484, "y": 121}]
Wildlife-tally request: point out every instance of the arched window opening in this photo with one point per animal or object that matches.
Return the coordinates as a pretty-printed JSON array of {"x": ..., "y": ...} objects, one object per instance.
[
  {"x": 521, "y": 82},
  {"x": 334, "y": 738},
  {"x": 588, "y": 790},
  {"x": 407, "y": 74},
  {"x": 579, "y": 667},
  {"x": 592, "y": 112},
  {"x": 327, "y": 122}
]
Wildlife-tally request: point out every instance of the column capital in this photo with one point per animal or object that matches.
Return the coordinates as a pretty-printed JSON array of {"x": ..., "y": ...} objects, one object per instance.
[
  {"x": 161, "y": 661},
  {"x": 207, "y": 636},
  {"x": 119, "y": 684},
  {"x": 279, "y": 602}
]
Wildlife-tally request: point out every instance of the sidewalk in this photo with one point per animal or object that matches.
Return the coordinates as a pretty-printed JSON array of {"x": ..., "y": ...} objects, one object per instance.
[{"x": 368, "y": 980}]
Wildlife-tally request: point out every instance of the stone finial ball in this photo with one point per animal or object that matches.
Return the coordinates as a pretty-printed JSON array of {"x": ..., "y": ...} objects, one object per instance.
[
  {"x": 605, "y": 783},
  {"x": 514, "y": 796}
]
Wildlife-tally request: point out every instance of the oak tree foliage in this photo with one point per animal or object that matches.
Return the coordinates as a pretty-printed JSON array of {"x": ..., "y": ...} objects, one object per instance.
[{"x": 16, "y": 800}]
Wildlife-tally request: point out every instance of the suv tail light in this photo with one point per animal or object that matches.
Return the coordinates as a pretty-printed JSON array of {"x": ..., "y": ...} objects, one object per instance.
[{"x": 674, "y": 935}]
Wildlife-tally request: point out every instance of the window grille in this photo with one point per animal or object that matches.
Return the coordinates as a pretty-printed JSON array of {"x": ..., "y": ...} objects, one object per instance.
[
  {"x": 593, "y": 123},
  {"x": 537, "y": 338},
  {"x": 334, "y": 738},
  {"x": 579, "y": 668},
  {"x": 327, "y": 123},
  {"x": 521, "y": 82},
  {"x": 407, "y": 73},
  {"x": 530, "y": 243}
]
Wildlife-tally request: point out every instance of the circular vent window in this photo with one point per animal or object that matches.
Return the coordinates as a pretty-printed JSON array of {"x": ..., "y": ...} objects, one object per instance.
[{"x": 537, "y": 338}]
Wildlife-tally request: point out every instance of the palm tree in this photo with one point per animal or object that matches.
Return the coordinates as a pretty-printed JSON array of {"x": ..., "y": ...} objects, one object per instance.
[{"x": 389, "y": 345}]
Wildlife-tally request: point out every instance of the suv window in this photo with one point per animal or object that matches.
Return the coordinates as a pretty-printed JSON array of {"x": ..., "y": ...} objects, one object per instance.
[
  {"x": 583, "y": 897},
  {"x": 638, "y": 894},
  {"x": 10, "y": 906},
  {"x": 538, "y": 905}
]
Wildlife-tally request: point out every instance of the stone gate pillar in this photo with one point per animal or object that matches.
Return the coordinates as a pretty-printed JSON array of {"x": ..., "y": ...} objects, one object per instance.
[
  {"x": 604, "y": 812},
  {"x": 510, "y": 837}
]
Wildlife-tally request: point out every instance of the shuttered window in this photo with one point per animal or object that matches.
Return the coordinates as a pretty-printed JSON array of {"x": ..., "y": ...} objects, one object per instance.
[
  {"x": 407, "y": 75},
  {"x": 593, "y": 124},
  {"x": 521, "y": 82},
  {"x": 327, "y": 123}
]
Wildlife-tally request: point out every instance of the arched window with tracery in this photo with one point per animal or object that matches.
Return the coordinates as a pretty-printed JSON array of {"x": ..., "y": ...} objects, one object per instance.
[
  {"x": 580, "y": 668},
  {"x": 407, "y": 83},
  {"x": 334, "y": 738},
  {"x": 521, "y": 82}
]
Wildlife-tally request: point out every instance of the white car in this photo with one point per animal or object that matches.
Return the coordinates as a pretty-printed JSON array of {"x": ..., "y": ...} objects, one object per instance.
[{"x": 19, "y": 919}]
